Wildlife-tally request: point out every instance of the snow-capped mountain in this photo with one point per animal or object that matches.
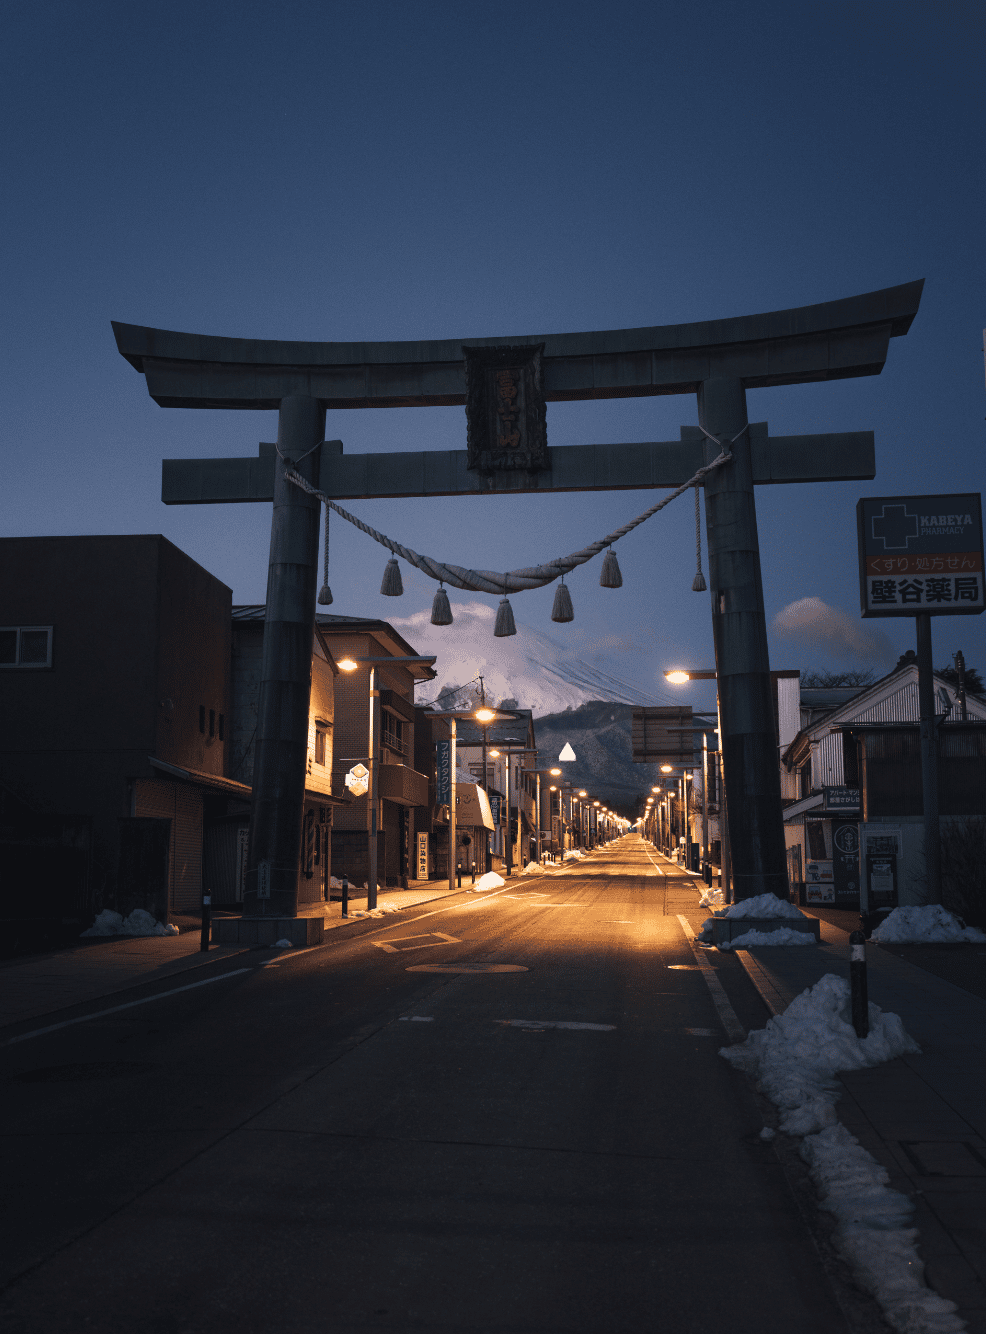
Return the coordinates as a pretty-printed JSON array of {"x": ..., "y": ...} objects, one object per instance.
[{"x": 529, "y": 667}]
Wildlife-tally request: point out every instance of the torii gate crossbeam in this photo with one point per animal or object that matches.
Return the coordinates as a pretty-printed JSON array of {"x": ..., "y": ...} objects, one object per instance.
[{"x": 717, "y": 360}]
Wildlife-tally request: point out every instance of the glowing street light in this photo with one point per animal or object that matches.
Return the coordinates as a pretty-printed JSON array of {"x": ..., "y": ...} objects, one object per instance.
[{"x": 372, "y": 799}]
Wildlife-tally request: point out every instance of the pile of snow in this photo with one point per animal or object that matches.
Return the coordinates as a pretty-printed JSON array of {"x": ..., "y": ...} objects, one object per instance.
[
  {"x": 573, "y": 854},
  {"x": 283, "y": 944},
  {"x": 925, "y": 926},
  {"x": 798, "y": 1054},
  {"x": 488, "y": 881},
  {"x": 337, "y": 884},
  {"x": 711, "y": 898},
  {"x": 139, "y": 923},
  {"x": 763, "y": 906},
  {"x": 782, "y": 936},
  {"x": 795, "y": 1060},
  {"x": 533, "y": 868}
]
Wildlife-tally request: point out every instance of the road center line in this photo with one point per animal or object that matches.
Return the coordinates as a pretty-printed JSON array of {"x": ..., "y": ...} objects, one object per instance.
[{"x": 734, "y": 1029}]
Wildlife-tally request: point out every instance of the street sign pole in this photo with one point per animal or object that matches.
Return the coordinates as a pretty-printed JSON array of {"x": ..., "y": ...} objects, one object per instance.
[{"x": 929, "y": 760}]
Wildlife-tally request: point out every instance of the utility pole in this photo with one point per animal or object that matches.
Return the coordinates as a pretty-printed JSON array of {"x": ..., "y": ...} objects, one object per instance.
[{"x": 929, "y": 759}]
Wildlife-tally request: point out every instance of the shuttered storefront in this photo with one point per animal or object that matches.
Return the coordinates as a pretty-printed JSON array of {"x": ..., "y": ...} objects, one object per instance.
[{"x": 182, "y": 805}]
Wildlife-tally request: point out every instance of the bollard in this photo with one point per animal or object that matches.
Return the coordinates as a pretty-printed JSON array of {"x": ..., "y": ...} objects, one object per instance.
[
  {"x": 857, "y": 984},
  {"x": 345, "y": 896},
  {"x": 458, "y": 875},
  {"x": 474, "y": 872},
  {"x": 206, "y": 922}
]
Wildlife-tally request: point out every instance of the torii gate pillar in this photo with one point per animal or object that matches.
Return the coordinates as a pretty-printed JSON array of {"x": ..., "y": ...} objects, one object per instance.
[
  {"x": 746, "y": 711},
  {"x": 279, "y": 766}
]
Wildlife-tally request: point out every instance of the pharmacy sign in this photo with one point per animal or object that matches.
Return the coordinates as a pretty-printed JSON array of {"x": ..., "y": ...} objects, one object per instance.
[{"x": 920, "y": 554}]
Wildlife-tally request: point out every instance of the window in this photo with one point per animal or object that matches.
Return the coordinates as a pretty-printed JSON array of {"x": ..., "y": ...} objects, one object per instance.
[
  {"x": 321, "y": 735},
  {"x": 394, "y": 732},
  {"x": 25, "y": 646}
]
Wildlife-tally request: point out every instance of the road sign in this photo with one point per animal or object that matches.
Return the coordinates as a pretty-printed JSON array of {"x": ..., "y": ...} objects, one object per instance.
[
  {"x": 921, "y": 554},
  {"x": 357, "y": 780},
  {"x": 567, "y": 753},
  {"x": 443, "y": 756},
  {"x": 654, "y": 741}
]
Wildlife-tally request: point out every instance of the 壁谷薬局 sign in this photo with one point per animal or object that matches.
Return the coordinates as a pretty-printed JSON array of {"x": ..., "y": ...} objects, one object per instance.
[{"x": 920, "y": 554}]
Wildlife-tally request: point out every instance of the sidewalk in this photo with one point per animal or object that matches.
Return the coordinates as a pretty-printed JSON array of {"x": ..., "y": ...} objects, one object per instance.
[
  {"x": 922, "y": 1117},
  {"x": 42, "y": 984}
]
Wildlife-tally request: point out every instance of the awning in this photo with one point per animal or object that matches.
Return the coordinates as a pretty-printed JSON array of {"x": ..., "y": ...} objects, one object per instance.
[
  {"x": 472, "y": 806},
  {"x": 229, "y": 787}
]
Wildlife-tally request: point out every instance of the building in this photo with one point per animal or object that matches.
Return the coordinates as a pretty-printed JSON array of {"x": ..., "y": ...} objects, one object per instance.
[
  {"x": 510, "y": 782},
  {"x": 114, "y": 727},
  {"x": 851, "y": 782},
  {"x": 226, "y": 854},
  {"x": 406, "y": 803}
]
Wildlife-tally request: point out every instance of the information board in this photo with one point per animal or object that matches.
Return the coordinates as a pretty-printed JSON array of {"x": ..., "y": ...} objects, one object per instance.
[
  {"x": 443, "y": 788},
  {"x": 422, "y": 857},
  {"x": 920, "y": 554}
]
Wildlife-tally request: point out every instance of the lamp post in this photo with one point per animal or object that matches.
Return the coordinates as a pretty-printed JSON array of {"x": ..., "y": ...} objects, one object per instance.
[
  {"x": 484, "y": 716},
  {"x": 373, "y": 759}
]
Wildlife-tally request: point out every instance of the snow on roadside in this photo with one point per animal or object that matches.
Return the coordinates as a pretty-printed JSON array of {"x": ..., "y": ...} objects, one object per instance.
[
  {"x": 486, "y": 882},
  {"x": 139, "y": 923},
  {"x": 711, "y": 898},
  {"x": 795, "y": 1060},
  {"x": 925, "y": 926},
  {"x": 782, "y": 936},
  {"x": 533, "y": 868},
  {"x": 764, "y": 905}
]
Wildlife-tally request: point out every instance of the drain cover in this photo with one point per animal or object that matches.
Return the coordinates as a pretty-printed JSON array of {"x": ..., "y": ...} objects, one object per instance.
[{"x": 67, "y": 1074}]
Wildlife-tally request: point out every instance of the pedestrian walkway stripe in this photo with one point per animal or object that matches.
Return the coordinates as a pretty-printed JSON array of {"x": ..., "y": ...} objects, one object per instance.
[
  {"x": 727, "y": 1015},
  {"x": 128, "y": 1005}
]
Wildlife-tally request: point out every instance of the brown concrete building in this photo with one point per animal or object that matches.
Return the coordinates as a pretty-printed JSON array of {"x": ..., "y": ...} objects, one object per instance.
[{"x": 114, "y": 708}]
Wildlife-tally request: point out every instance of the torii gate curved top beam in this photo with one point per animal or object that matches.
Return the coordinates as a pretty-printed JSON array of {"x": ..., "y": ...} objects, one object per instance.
[{"x": 834, "y": 340}]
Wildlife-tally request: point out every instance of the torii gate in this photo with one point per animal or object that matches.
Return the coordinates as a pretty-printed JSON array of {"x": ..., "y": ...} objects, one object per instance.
[{"x": 717, "y": 359}]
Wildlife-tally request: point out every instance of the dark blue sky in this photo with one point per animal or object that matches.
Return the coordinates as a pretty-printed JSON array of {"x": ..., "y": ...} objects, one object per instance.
[{"x": 434, "y": 170}]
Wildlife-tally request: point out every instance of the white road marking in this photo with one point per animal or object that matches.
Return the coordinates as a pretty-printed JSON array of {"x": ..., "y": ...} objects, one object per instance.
[
  {"x": 727, "y": 1015},
  {"x": 466, "y": 968},
  {"x": 555, "y": 1023},
  {"x": 128, "y": 1005},
  {"x": 396, "y": 943},
  {"x": 417, "y": 1018}
]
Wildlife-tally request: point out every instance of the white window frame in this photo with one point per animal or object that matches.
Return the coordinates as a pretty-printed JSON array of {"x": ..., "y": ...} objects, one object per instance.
[{"x": 19, "y": 666}]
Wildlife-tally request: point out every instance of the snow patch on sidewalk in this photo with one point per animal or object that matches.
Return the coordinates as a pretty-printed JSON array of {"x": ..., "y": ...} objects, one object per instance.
[
  {"x": 711, "y": 898},
  {"x": 782, "y": 936},
  {"x": 795, "y": 1060},
  {"x": 139, "y": 923},
  {"x": 930, "y": 925},
  {"x": 487, "y": 882}
]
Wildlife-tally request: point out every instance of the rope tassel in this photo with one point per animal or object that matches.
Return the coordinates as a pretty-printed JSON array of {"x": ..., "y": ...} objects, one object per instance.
[
  {"x": 562, "y": 609},
  {"x": 325, "y": 592},
  {"x": 392, "y": 586},
  {"x": 441, "y": 612},
  {"x": 504, "y": 620},
  {"x": 698, "y": 583},
  {"x": 611, "y": 576}
]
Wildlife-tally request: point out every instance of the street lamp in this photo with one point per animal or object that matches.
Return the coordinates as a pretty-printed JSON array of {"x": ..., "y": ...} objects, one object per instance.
[{"x": 373, "y": 747}]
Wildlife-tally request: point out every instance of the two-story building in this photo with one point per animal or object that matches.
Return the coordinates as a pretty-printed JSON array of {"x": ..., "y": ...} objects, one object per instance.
[
  {"x": 114, "y": 727},
  {"x": 851, "y": 782}
]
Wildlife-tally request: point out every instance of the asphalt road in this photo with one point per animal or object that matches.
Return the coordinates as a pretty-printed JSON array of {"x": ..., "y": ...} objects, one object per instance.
[{"x": 338, "y": 1140}]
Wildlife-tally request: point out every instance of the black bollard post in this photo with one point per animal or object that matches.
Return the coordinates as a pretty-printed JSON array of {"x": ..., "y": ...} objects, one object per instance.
[
  {"x": 458, "y": 875},
  {"x": 206, "y": 922},
  {"x": 345, "y": 896},
  {"x": 857, "y": 984},
  {"x": 474, "y": 872}
]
